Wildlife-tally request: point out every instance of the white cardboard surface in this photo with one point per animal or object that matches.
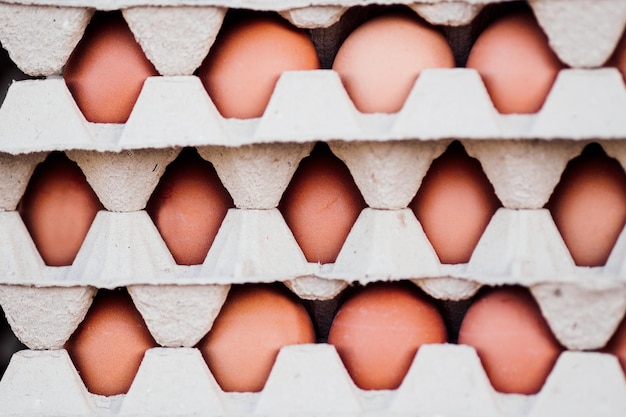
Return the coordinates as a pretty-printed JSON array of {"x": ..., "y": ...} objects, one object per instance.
[
  {"x": 45, "y": 318},
  {"x": 582, "y": 317},
  {"x": 15, "y": 173},
  {"x": 41, "y": 39},
  {"x": 124, "y": 181},
  {"x": 581, "y": 42},
  {"x": 43, "y": 383},
  {"x": 256, "y": 176},
  {"x": 583, "y": 384},
  {"x": 386, "y": 245},
  {"x": 308, "y": 380},
  {"x": 175, "y": 39},
  {"x": 519, "y": 246},
  {"x": 254, "y": 246},
  {"x": 167, "y": 374},
  {"x": 388, "y": 174},
  {"x": 523, "y": 173},
  {"x": 448, "y": 380},
  {"x": 178, "y": 315}
]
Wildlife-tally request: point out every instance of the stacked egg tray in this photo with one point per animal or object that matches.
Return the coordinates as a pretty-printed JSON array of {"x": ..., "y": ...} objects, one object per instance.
[{"x": 388, "y": 155}]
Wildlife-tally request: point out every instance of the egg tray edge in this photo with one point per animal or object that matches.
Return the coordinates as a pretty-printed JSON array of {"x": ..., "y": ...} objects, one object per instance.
[{"x": 443, "y": 378}]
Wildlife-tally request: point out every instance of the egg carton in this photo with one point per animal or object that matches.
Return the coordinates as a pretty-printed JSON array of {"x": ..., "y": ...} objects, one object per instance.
[
  {"x": 523, "y": 156},
  {"x": 307, "y": 106},
  {"x": 310, "y": 380},
  {"x": 520, "y": 246},
  {"x": 41, "y": 34},
  {"x": 256, "y": 158}
]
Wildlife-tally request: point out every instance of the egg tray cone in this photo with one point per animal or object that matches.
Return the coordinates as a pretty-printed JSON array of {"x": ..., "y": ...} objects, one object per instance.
[{"x": 523, "y": 157}]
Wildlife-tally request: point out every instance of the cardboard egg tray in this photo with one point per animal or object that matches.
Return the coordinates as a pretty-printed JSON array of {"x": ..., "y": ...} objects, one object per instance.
[{"x": 522, "y": 155}]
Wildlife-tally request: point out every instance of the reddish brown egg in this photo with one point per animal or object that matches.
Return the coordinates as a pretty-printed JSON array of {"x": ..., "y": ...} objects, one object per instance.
[
  {"x": 188, "y": 207},
  {"x": 321, "y": 205},
  {"x": 516, "y": 63},
  {"x": 380, "y": 61},
  {"x": 617, "y": 345},
  {"x": 108, "y": 346},
  {"x": 454, "y": 204},
  {"x": 254, "y": 323},
  {"x": 515, "y": 345},
  {"x": 589, "y": 206},
  {"x": 378, "y": 331},
  {"x": 58, "y": 208},
  {"x": 247, "y": 59},
  {"x": 106, "y": 71}
]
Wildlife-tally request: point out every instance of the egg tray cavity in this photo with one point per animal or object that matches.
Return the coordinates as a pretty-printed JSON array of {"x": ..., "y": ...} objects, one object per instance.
[{"x": 582, "y": 305}]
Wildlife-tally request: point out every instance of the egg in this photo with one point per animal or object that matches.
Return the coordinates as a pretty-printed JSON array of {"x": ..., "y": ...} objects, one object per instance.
[
  {"x": 454, "y": 204},
  {"x": 515, "y": 61},
  {"x": 249, "y": 55},
  {"x": 106, "y": 71},
  {"x": 108, "y": 346},
  {"x": 513, "y": 341},
  {"x": 188, "y": 207},
  {"x": 321, "y": 205},
  {"x": 617, "y": 345},
  {"x": 379, "y": 62},
  {"x": 254, "y": 323},
  {"x": 379, "y": 329},
  {"x": 589, "y": 206},
  {"x": 58, "y": 208}
]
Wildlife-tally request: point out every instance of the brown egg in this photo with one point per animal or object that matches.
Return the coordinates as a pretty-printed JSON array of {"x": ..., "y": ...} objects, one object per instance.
[
  {"x": 108, "y": 346},
  {"x": 380, "y": 61},
  {"x": 454, "y": 204},
  {"x": 188, "y": 207},
  {"x": 589, "y": 206},
  {"x": 58, "y": 208},
  {"x": 254, "y": 323},
  {"x": 516, "y": 63},
  {"x": 617, "y": 345},
  {"x": 321, "y": 205},
  {"x": 247, "y": 59},
  {"x": 106, "y": 71},
  {"x": 514, "y": 343},
  {"x": 378, "y": 331}
]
